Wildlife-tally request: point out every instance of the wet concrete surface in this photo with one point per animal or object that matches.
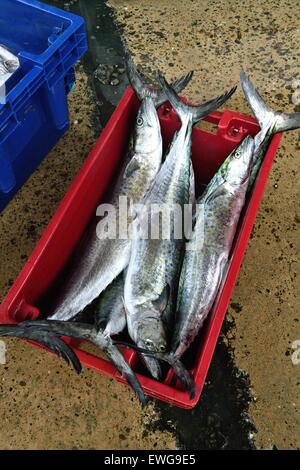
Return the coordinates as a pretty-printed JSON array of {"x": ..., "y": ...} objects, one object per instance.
[
  {"x": 251, "y": 397},
  {"x": 104, "y": 60},
  {"x": 216, "y": 39}
]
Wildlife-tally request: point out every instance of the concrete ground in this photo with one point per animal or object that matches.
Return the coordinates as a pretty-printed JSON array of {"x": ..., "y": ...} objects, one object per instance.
[{"x": 44, "y": 405}]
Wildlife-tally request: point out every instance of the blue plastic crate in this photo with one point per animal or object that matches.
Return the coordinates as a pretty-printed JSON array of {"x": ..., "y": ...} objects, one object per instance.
[{"x": 48, "y": 42}]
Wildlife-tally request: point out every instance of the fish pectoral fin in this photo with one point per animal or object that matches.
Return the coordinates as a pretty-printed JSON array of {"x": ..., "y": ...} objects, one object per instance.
[
  {"x": 131, "y": 168},
  {"x": 125, "y": 307},
  {"x": 217, "y": 192},
  {"x": 162, "y": 301},
  {"x": 192, "y": 197},
  {"x": 223, "y": 265}
]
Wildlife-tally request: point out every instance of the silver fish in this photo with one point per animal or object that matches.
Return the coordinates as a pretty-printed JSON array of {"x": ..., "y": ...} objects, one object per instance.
[
  {"x": 206, "y": 256},
  {"x": 154, "y": 263},
  {"x": 270, "y": 122},
  {"x": 99, "y": 261}
]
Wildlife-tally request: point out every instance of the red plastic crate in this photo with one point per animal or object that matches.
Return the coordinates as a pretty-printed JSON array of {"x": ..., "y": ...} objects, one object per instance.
[{"x": 209, "y": 149}]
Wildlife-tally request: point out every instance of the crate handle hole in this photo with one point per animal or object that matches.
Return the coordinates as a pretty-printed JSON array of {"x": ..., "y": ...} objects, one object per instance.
[
  {"x": 26, "y": 312},
  {"x": 208, "y": 126},
  {"x": 236, "y": 132}
]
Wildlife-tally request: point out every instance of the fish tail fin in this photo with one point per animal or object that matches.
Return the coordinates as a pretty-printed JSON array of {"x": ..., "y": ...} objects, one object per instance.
[
  {"x": 62, "y": 328},
  {"x": 183, "y": 374},
  {"x": 47, "y": 339},
  {"x": 135, "y": 78},
  {"x": 178, "y": 85},
  {"x": 57, "y": 345},
  {"x": 123, "y": 367},
  {"x": 265, "y": 116},
  {"x": 90, "y": 333},
  {"x": 195, "y": 113},
  {"x": 179, "y": 369},
  {"x": 142, "y": 89}
]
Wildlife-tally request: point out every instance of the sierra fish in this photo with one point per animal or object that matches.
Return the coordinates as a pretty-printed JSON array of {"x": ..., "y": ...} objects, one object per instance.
[
  {"x": 154, "y": 263},
  {"x": 207, "y": 252},
  {"x": 99, "y": 260}
]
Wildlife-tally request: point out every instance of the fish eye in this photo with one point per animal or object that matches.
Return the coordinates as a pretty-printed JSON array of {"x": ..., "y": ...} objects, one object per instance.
[
  {"x": 148, "y": 342},
  {"x": 162, "y": 348},
  {"x": 237, "y": 155},
  {"x": 139, "y": 121}
]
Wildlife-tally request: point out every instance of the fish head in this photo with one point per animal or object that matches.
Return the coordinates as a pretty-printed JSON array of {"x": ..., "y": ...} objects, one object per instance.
[
  {"x": 151, "y": 336},
  {"x": 237, "y": 167},
  {"x": 151, "y": 333},
  {"x": 147, "y": 127}
]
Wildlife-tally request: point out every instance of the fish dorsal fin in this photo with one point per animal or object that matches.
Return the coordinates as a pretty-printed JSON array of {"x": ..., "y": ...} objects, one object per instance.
[{"x": 216, "y": 193}]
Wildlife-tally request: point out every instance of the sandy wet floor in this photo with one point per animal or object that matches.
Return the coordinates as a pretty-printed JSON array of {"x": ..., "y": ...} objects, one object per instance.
[
  {"x": 43, "y": 404},
  {"x": 216, "y": 39}
]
